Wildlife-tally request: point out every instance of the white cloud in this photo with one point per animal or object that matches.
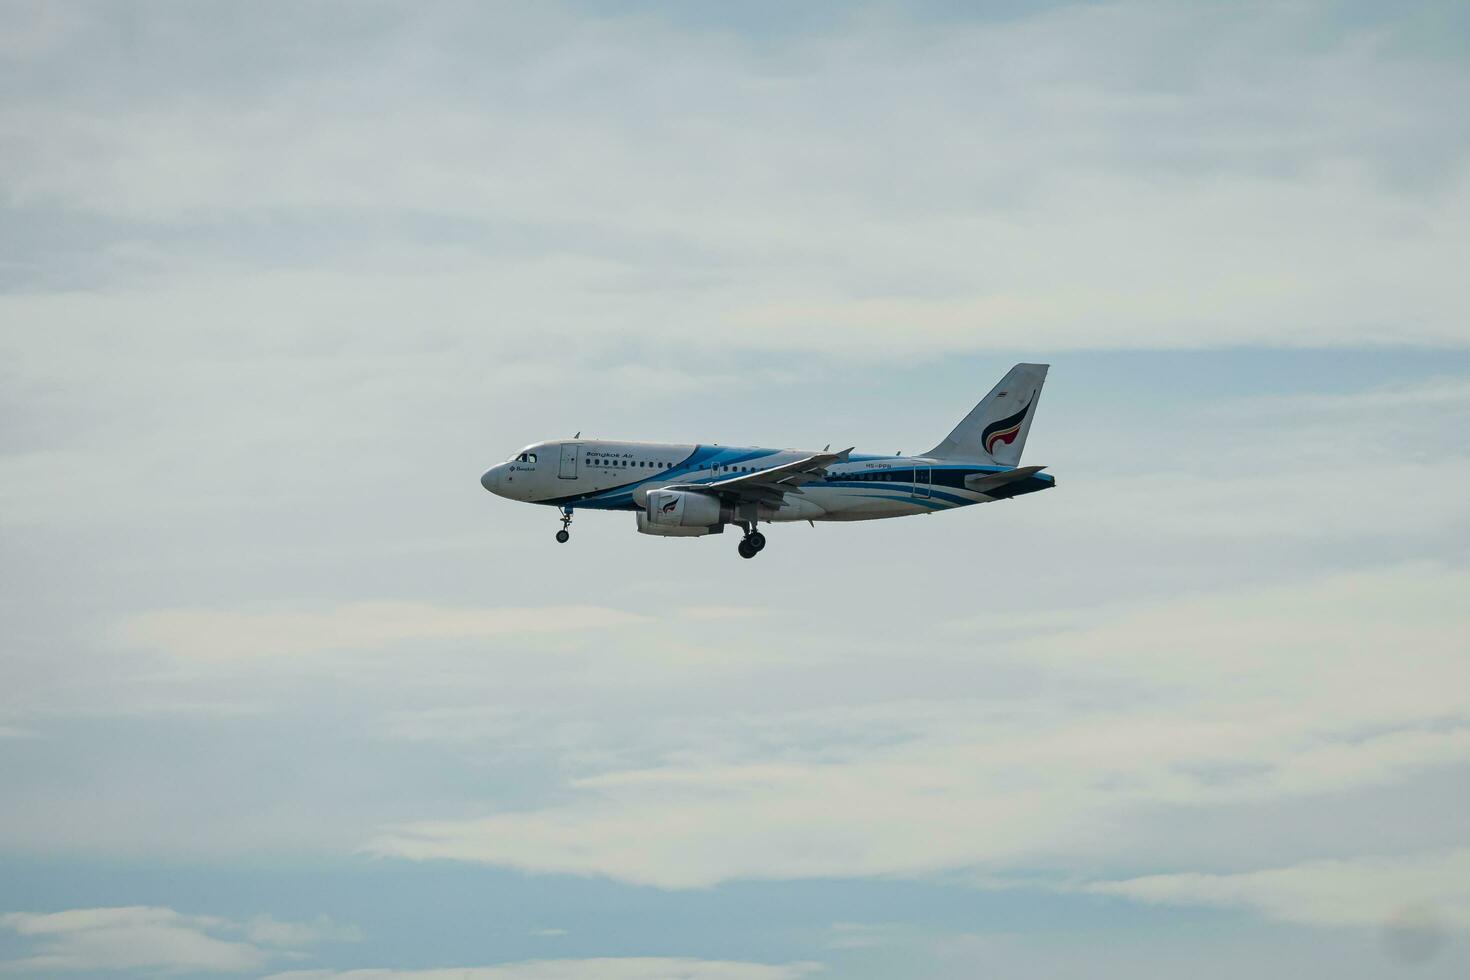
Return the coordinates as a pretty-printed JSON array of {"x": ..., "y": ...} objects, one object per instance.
[
  {"x": 270, "y": 931},
  {"x": 865, "y": 935},
  {"x": 156, "y": 939},
  {"x": 130, "y": 938},
  {"x": 609, "y": 968},
  {"x": 1060, "y": 181},
  {"x": 37, "y": 28},
  {"x": 720, "y": 613},
  {"x": 1248, "y": 697},
  {"x": 352, "y": 626},
  {"x": 1367, "y": 891}
]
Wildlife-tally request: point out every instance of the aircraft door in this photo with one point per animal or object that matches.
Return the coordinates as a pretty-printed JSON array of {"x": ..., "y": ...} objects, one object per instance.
[
  {"x": 568, "y": 468},
  {"x": 921, "y": 481}
]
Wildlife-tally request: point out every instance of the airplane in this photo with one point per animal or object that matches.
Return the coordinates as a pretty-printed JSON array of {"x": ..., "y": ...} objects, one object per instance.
[{"x": 679, "y": 490}]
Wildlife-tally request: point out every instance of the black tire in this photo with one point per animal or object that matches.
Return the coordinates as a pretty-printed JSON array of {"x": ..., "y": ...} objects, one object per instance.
[
  {"x": 563, "y": 536},
  {"x": 746, "y": 551},
  {"x": 757, "y": 540}
]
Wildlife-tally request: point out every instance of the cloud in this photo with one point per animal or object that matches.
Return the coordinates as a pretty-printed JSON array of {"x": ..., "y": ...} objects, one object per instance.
[
  {"x": 270, "y": 931},
  {"x": 624, "y": 968},
  {"x": 1367, "y": 891},
  {"x": 131, "y": 938},
  {"x": 1058, "y": 181},
  {"x": 157, "y": 939},
  {"x": 1244, "y": 697},
  {"x": 721, "y": 613},
  {"x": 865, "y": 935},
  {"x": 228, "y": 633}
]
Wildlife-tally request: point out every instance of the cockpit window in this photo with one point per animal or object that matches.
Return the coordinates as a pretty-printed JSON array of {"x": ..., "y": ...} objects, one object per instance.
[{"x": 525, "y": 458}]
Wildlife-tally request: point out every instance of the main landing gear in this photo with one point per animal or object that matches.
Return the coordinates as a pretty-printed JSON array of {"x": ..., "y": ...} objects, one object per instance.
[
  {"x": 751, "y": 544},
  {"x": 563, "y": 536}
]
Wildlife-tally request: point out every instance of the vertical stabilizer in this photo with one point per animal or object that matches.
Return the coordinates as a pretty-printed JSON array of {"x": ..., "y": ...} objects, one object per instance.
[{"x": 995, "y": 430}]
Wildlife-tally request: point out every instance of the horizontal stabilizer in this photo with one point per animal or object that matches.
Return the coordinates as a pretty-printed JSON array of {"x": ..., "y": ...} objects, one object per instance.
[{"x": 986, "y": 482}]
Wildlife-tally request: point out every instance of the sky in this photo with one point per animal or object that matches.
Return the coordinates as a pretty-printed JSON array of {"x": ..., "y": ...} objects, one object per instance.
[{"x": 284, "y": 693}]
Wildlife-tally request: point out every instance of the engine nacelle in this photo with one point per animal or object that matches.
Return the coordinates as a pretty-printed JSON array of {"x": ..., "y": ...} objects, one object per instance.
[
  {"x": 645, "y": 526},
  {"x": 683, "y": 508}
]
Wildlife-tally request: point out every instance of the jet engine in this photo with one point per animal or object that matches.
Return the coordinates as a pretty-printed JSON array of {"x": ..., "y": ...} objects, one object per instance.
[
  {"x": 645, "y": 526},
  {"x": 682, "y": 513}
]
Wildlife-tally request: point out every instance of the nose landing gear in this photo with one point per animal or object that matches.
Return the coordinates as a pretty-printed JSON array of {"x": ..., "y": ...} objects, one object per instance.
[
  {"x": 563, "y": 536},
  {"x": 751, "y": 544}
]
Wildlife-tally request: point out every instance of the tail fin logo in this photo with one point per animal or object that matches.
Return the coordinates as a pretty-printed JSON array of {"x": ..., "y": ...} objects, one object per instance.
[{"x": 1004, "y": 431}]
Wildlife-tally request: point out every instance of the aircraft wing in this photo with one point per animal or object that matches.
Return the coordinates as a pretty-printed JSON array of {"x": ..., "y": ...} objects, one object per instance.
[
  {"x": 984, "y": 483},
  {"x": 770, "y": 486}
]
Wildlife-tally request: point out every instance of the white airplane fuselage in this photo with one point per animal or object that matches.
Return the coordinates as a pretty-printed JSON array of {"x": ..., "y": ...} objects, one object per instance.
[{"x": 596, "y": 474}]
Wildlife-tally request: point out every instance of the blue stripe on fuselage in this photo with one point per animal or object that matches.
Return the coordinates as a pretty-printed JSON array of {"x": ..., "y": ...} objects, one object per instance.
[{"x": 620, "y": 497}]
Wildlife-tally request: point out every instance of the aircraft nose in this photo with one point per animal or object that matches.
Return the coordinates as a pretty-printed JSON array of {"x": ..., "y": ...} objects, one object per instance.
[{"x": 490, "y": 479}]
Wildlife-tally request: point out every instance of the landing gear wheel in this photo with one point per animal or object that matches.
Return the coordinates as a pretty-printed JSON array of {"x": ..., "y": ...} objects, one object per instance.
[
  {"x": 563, "y": 536},
  {"x": 757, "y": 540},
  {"x": 745, "y": 549}
]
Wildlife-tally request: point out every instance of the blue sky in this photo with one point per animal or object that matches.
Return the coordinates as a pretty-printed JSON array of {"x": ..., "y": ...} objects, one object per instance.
[{"x": 284, "y": 692}]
